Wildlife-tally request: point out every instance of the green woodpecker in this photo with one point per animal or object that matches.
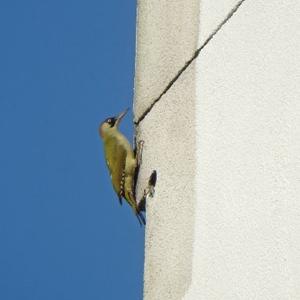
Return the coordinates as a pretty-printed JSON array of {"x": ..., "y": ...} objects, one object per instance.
[{"x": 121, "y": 162}]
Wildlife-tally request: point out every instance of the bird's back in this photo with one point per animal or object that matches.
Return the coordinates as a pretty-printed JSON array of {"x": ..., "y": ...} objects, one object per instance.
[{"x": 117, "y": 152}]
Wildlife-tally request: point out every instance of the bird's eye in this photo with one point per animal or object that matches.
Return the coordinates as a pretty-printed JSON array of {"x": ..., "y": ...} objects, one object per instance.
[{"x": 109, "y": 121}]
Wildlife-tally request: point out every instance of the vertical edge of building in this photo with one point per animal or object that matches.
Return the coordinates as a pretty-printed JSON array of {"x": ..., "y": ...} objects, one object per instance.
[
  {"x": 223, "y": 137},
  {"x": 167, "y": 35}
]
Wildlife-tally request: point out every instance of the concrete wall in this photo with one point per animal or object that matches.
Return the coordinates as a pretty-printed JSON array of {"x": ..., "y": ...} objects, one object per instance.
[{"x": 217, "y": 102}]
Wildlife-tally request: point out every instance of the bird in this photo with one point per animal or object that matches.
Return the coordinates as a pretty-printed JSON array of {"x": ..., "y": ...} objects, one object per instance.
[{"x": 122, "y": 162}]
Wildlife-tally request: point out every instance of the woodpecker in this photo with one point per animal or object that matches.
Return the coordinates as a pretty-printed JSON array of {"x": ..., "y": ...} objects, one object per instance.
[{"x": 122, "y": 162}]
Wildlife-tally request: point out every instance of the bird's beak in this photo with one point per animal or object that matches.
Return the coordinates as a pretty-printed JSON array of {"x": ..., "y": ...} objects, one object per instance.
[{"x": 120, "y": 116}]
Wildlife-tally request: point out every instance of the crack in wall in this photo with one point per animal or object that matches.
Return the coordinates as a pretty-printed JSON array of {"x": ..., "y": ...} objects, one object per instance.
[{"x": 197, "y": 52}]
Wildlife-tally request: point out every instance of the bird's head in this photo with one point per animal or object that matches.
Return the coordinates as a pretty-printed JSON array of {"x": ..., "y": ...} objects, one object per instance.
[{"x": 110, "y": 125}]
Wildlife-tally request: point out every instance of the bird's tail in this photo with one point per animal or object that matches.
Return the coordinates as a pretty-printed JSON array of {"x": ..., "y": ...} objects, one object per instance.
[
  {"x": 137, "y": 211},
  {"x": 140, "y": 217}
]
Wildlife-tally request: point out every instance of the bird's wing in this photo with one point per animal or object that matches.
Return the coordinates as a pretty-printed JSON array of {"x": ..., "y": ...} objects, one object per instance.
[{"x": 116, "y": 159}]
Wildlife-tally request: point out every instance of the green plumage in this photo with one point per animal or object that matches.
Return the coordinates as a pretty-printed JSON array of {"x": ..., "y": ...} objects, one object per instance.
[{"x": 121, "y": 162}]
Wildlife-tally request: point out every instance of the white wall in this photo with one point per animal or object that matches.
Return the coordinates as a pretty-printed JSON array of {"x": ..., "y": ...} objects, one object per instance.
[{"x": 224, "y": 139}]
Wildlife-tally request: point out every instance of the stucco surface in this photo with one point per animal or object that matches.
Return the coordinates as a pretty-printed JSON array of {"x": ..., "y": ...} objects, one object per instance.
[
  {"x": 224, "y": 139},
  {"x": 167, "y": 34},
  {"x": 211, "y": 14},
  {"x": 169, "y": 136},
  {"x": 247, "y": 241}
]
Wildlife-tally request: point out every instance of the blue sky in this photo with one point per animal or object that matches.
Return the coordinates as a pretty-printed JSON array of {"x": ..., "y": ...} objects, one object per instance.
[{"x": 64, "y": 67}]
